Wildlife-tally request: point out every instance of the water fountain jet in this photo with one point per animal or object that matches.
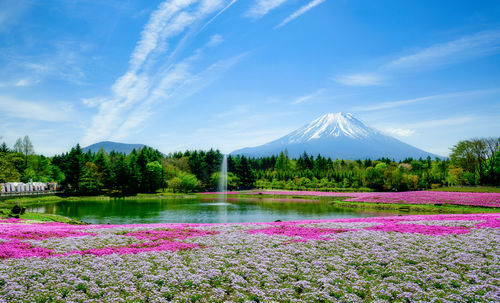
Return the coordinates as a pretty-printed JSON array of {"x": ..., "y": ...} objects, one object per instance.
[{"x": 222, "y": 187}]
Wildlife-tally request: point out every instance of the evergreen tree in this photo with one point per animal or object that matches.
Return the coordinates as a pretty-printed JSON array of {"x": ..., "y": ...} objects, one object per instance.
[
  {"x": 90, "y": 182},
  {"x": 121, "y": 174},
  {"x": 152, "y": 178},
  {"x": 74, "y": 169},
  {"x": 4, "y": 148},
  {"x": 103, "y": 164},
  {"x": 245, "y": 174}
]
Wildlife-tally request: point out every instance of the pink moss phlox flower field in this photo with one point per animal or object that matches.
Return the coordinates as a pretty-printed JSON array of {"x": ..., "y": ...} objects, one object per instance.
[
  {"x": 410, "y": 197},
  {"x": 305, "y": 233},
  {"x": 181, "y": 234},
  {"x": 442, "y": 258}
]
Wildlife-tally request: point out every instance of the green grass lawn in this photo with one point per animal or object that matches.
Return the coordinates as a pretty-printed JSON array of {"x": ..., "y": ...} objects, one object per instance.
[
  {"x": 4, "y": 213},
  {"x": 25, "y": 201},
  {"x": 6, "y": 205}
]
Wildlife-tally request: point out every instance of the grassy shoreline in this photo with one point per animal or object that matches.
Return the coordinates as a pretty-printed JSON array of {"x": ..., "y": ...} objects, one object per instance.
[
  {"x": 469, "y": 189},
  {"x": 4, "y": 214},
  {"x": 6, "y": 205},
  {"x": 27, "y": 201},
  {"x": 400, "y": 207},
  {"x": 392, "y": 208}
]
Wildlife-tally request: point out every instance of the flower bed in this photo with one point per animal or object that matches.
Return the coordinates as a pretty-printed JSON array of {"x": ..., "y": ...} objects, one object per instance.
[
  {"x": 432, "y": 257},
  {"x": 410, "y": 197}
]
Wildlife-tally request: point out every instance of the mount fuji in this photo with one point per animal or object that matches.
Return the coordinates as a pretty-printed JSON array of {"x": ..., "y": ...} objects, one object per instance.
[{"x": 339, "y": 136}]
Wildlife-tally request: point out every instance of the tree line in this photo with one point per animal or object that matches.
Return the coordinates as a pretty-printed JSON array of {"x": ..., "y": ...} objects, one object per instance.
[{"x": 472, "y": 162}]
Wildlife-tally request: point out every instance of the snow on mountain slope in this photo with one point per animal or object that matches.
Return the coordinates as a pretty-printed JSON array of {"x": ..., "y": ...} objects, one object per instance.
[
  {"x": 339, "y": 136},
  {"x": 332, "y": 125}
]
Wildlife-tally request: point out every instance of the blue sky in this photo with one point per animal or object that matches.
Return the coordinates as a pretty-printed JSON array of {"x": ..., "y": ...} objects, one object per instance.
[{"x": 188, "y": 74}]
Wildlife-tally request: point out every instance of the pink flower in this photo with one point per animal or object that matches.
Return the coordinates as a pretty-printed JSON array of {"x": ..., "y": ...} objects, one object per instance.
[
  {"x": 411, "y": 197},
  {"x": 170, "y": 237}
]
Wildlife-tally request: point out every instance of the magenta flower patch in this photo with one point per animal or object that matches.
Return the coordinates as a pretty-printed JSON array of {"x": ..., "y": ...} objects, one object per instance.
[
  {"x": 400, "y": 258},
  {"x": 41, "y": 235},
  {"x": 411, "y": 197},
  {"x": 169, "y": 234},
  {"x": 421, "y": 229},
  {"x": 136, "y": 248},
  {"x": 306, "y": 233},
  {"x": 17, "y": 249},
  {"x": 18, "y": 240}
]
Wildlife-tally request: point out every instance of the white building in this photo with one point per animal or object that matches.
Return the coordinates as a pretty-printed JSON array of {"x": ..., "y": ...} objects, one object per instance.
[{"x": 19, "y": 187}]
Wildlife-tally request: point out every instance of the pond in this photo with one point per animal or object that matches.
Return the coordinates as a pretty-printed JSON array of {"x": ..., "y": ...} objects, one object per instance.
[{"x": 198, "y": 210}]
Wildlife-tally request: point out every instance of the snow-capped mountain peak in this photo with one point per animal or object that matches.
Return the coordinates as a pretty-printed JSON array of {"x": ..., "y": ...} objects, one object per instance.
[
  {"x": 332, "y": 125},
  {"x": 338, "y": 136}
]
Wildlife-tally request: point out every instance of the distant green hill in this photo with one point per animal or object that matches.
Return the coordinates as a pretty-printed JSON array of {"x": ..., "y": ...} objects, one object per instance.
[{"x": 109, "y": 146}]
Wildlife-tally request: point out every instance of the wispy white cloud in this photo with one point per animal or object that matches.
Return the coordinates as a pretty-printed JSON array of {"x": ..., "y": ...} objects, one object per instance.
[
  {"x": 409, "y": 129},
  {"x": 64, "y": 60},
  {"x": 39, "y": 67},
  {"x": 359, "y": 79},
  {"x": 160, "y": 25},
  {"x": 133, "y": 88},
  {"x": 24, "y": 82},
  {"x": 464, "y": 48},
  {"x": 261, "y": 8},
  {"x": 94, "y": 101},
  {"x": 36, "y": 110},
  {"x": 252, "y": 121},
  {"x": 11, "y": 12},
  {"x": 234, "y": 134},
  {"x": 181, "y": 82},
  {"x": 235, "y": 111},
  {"x": 176, "y": 85},
  {"x": 476, "y": 45},
  {"x": 304, "y": 9},
  {"x": 309, "y": 97},
  {"x": 392, "y": 104},
  {"x": 215, "y": 40},
  {"x": 437, "y": 123},
  {"x": 217, "y": 15},
  {"x": 403, "y": 132},
  {"x": 147, "y": 84}
]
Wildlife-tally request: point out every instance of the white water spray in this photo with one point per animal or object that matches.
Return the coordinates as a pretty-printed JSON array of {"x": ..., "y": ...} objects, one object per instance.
[{"x": 222, "y": 188}]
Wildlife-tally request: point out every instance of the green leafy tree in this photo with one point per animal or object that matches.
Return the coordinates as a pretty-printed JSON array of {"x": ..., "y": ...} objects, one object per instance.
[
  {"x": 374, "y": 178},
  {"x": 8, "y": 170},
  {"x": 283, "y": 161},
  {"x": 74, "y": 169},
  {"x": 245, "y": 173},
  {"x": 492, "y": 149},
  {"x": 175, "y": 184},
  {"x": 455, "y": 176},
  {"x": 4, "y": 148},
  {"x": 233, "y": 181},
  {"x": 56, "y": 175},
  {"x": 153, "y": 177},
  {"x": 25, "y": 147},
  {"x": 121, "y": 176},
  {"x": 189, "y": 182},
  {"x": 476, "y": 158},
  {"x": 103, "y": 164},
  {"x": 90, "y": 183},
  {"x": 134, "y": 175}
]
